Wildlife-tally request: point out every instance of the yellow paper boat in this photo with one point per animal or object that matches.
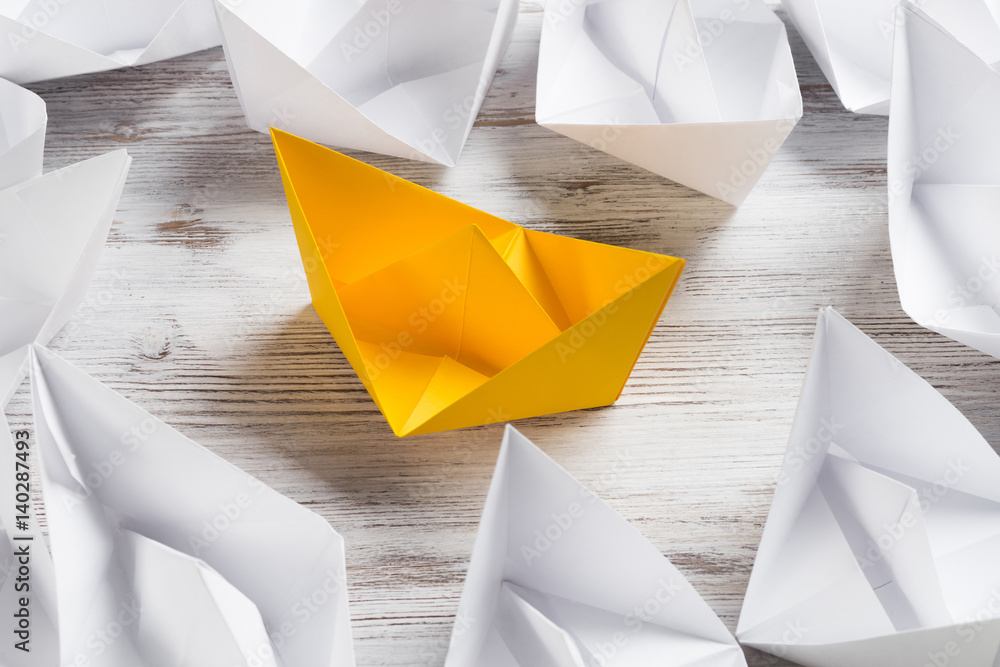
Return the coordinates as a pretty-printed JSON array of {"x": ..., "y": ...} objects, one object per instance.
[{"x": 452, "y": 317}]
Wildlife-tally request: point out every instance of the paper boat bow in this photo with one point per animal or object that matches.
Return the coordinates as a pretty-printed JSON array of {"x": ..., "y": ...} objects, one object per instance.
[
  {"x": 558, "y": 579},
  {"x": 452, "y": 317},
  {"x": 882, "y": 546},
  {"x": 50, "y": 39},
  {"x": 22, "y": 134},
  {"x": 53, "y": 230},
  {"x": 852, "y": 41},
  {"x": 164, "y": 554},
  {"x": 702, "y": 92},
  {"x": 944, "y": 176},
  {"x": 399, "y": 77}
]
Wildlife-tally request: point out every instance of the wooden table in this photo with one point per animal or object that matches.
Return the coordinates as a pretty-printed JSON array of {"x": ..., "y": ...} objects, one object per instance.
[{"x": 200, "y": 313}]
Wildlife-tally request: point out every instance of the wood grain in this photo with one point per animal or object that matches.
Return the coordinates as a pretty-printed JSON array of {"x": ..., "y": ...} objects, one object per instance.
[{"x": 199, "y": 313}]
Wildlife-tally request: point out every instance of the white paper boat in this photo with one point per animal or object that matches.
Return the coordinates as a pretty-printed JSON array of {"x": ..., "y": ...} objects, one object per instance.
[
  {"x": 558, "y": 579},
  {"x": 49, "y": 39},
  {"x": 943, "y": 171},
  {"x": 702, "y": 92},
  {"x": 22, "y": 134},
  {"x": 883, "y": 541},
  {"x": 387, "y": 76},
  {"x": 52, "y": 230},
  {"x": 191, "y": 562},
  {"x": 852, "y": 41}
]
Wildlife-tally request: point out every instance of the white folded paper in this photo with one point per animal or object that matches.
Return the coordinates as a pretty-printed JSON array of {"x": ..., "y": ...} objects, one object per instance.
[
  {"x": 166, "y": 555},
  {"x": 49, "y": 39},
  {"x": 852, "y": 40},
  {"x": 558, "y": 579},
  {"x": 22, "y": 134},
  {"x": 883, "y": 541},
  {"x": 702, "y": 92},
  {"x": 399, "y": 77},
  {"x": 52, "y": 230},
  {"x": 26, "y": 574},
  {"x": 944, "y": 171}
]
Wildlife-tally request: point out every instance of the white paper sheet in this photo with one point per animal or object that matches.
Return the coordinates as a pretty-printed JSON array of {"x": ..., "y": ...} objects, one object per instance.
[
  {"x": 882, "y": 543},
  {"x": 558, "y": 579},
  {"x": 50, "y": 39},
  {"x": 943, "y": 171},
  {"x": 852, "y": 41},
  {"x": 52, "y": 230},
  {"x": 22, "y": 134},
  {"x": 703, "y": 92},
  {"x": 189, "y": 560},
  {"x": 399, "y": 77}
]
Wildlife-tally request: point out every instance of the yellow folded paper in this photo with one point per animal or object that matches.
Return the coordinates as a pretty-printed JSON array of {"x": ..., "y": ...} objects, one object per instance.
[{"x": 452, "y": 317}]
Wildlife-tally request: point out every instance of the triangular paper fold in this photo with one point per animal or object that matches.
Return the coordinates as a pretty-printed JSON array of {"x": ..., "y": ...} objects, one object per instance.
[
  {"x": 22, "y": 134},
  {"x": 199, "y": 563},
  {"x": 452, "y": 317},
  {"x": 54, "y": 228},
  {"x": 51, "y": 39},
  {"x": 852, "y": 41},
  {"x": 702, "y": 92},
  {"x": 944, "y": 180},
  {"x": 884, "y": 531},
  {"x": 557, "y": 578},
  {"x": 385, "y": 76}
]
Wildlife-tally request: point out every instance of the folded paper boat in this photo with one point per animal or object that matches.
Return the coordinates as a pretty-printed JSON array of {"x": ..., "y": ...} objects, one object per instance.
[
  {"x": 882, "y": 546},
  {"x": 943, "y": 171},
  {"x": 852, "y": 41},
  {"x": 22, "y": 134},
  {"x": 702, "y": 92},
  {"x": 50, "y": 39},
  {"x": 452, "y": 317},
  {"x": 396, "y": 77},
  {"x": 559, "y": 579},
  {"x": 53, "y": 229},
  {"x": 164, "y": 554}
]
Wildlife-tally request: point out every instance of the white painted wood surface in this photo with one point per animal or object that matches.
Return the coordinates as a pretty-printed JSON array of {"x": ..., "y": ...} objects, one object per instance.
[{"x": 200, "y": 314}]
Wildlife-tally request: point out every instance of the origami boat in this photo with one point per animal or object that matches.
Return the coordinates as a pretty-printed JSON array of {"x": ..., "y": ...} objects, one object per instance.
[
  {"x": 452, "y": 317},
  {"x": 883, "y": 541},
  {"x": 50, "y": 39},
  {"x": 944, "y": 176},
  {"x": 395, "y": 77},
  {"x": 852, "y": 41},
  {"x": 559, "y": 579},
  {"x": 165, "y": 554},
  {"x": 22, "y": 134},
  {"x": 54, "y": 228},
  {"x": 702, "y": 92}
]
